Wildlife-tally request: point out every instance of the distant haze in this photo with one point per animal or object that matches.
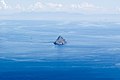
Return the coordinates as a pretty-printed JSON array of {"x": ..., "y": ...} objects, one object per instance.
[{"x": 91, "y": 10}]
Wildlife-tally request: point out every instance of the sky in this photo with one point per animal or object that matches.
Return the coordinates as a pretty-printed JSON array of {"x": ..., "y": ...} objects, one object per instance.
[{"x": 89, "y": 7}]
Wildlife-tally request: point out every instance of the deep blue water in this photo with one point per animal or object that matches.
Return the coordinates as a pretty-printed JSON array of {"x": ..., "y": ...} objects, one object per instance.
[{"x": 92, "y": 51}]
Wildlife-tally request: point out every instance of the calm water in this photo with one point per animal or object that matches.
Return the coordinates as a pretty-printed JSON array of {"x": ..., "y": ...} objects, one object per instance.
[{"x": 92, "y": 51}]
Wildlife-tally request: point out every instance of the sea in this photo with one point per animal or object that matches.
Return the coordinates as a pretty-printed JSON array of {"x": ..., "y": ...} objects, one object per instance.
[{"x": 27, "y": 51}]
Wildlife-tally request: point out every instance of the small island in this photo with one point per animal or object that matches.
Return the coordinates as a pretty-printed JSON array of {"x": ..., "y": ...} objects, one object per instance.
[{"x": 60, "y": 41}]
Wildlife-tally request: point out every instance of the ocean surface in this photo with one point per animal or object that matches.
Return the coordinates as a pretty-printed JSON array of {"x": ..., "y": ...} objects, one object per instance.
[{"x": 27, "y": 51}]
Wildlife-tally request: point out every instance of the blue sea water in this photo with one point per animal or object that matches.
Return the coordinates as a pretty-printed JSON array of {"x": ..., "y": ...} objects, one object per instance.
[{"x": 92, "y": 51}]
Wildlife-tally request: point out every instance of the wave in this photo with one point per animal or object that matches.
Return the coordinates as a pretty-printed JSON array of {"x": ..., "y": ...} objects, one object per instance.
[
  {"x": 91, "y": 25},
  {"x": 117, "y": 65},
  {"x": 63, "y": 23},
  {"x": 20, "y": 60},
  {"x": 59, "y": 64}
]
